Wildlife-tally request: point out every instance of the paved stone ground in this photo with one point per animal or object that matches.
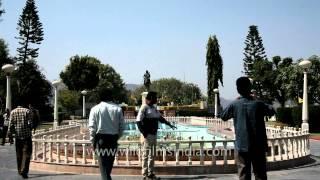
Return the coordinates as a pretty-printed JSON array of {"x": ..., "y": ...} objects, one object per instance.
[{"x": 8, "y": 170}]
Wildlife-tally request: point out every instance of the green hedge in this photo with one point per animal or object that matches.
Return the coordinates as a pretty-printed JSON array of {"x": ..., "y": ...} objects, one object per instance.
[
  {"x": 199, "y": 113},
  {"x": 293, "y": 117}
]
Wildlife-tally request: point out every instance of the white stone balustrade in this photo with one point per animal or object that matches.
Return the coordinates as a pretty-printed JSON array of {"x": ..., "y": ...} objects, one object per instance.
[
  {"x": 284, "y": 144},
  {"x": 278, "y": 151}
]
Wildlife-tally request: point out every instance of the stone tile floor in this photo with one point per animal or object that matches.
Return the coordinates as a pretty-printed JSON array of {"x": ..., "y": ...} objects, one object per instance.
[{"x": 8, "y": 170}]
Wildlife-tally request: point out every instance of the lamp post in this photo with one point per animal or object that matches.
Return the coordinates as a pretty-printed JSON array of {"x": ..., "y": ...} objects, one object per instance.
[
  {"x": 216, "y": 91},
  {"x": 56, "y": 84},
  {"x": 8, "y": 69},
  {"x": 84, "y": 93},
  {"x": 305, "y": 64}
]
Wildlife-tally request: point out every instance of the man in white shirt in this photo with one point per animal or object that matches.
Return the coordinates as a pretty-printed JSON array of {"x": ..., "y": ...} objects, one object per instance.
[{"x": 106, "y": 124}]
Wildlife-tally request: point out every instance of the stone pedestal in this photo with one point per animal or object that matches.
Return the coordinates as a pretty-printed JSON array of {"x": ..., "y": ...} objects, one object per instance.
[{"x": 305, "y": 126}]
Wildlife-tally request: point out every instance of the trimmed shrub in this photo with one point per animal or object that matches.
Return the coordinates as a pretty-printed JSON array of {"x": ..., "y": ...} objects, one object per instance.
[
  {"x": 284, "y": 115},
  {"x": 314, "y": 119},
  {"x": 293, "y": 117},
  {"x": 199, "y": 113}
]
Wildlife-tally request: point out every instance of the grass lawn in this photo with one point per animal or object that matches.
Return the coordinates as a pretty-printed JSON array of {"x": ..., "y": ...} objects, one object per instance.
[{"x": 315, "y": 136}]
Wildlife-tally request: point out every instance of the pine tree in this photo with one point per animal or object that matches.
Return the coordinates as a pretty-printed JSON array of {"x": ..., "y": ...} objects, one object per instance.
[
  {"x": 253, "y": 51},
  {"x": 1, "y": 10},
  {"x": 214, "y": 67},
  {"x": 30, "y": 32}
]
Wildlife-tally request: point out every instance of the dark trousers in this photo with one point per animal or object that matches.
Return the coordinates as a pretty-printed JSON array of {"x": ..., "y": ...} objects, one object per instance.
[
  {"x": 258, "y": 160},
  {"x": 3, "y": 135},
  {"x": 106, "y": 149},
  {"x": 23, "y": 152}
]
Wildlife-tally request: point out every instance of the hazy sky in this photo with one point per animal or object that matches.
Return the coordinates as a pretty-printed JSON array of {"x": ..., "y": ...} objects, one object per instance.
[{"x": 167, "y": 37}]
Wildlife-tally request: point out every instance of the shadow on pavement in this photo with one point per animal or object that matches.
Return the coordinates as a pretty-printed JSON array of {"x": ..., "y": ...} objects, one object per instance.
[
  {"x": 40, "y": 176},
  {"x": 185, "y": 177}
]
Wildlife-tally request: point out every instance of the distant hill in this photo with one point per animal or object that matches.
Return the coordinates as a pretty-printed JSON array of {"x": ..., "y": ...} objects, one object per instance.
[{"x": 132, "y": 87}]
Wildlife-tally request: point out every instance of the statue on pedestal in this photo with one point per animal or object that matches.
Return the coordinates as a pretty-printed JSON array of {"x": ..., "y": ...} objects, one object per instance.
[{"x": 146, "y": 80}]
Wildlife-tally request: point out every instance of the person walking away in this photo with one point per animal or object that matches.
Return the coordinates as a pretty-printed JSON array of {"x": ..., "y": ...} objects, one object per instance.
[
  {"x": 251, "y": 139},
  {"x": 20, "y": 124},
  {"x": 147, "y": 121},
  {"x": 35, "y": 116},
  {"x": 1, "y": 127},
  {"x": 106, "y": 125},
  {"x": 6, "y": 117}
]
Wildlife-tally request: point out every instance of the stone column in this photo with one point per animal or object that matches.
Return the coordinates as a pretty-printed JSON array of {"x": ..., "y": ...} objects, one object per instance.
[
  {"x": 305, "y": 64},
  {"x": 84, "y": 93},
  {"x": 8, "y": 69},
  {"x": 56, "y": 91}
]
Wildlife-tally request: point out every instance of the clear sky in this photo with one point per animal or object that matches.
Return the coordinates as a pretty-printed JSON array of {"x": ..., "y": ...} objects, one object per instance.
[{"x": 167, "y": 37}]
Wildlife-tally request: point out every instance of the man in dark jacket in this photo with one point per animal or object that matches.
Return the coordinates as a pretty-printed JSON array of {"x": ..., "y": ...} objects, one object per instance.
[
  {"x": 251, "y": 139},
  {"x": 147, "y": 121}
]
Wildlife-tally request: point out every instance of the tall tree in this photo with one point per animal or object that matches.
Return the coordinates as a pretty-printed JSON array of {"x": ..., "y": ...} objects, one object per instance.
[
  {"x": 69, "y": 101},
  {"x": 314, "y": 80},
  {"x": 281, "y": 68},
  {"x": 214, "y": 68},
  {"x": 30, "y": 85},
  {"x": 30, "y": 32},
  {"x": 88, "y": 73},
  {"x": 111, "y": 80},
  {"x": 82, "y": 73},
  {"x": 4, "y": 53},
  {"x": 253, "y": 50}
]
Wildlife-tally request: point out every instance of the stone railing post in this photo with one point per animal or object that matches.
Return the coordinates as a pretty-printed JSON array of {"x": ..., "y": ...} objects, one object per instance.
[
  {"x": 280, "y": 147},
  {"x": 127, "y": 152},
  {"x": 65, "y": 149},
  {"x": 293, "y": 147},
  {"x": 213, "y": 160},
  {"x": 84, "y": 160},
  {"x": 58, "y": 149},
  {"x": 74, "y": 150},
  {"x": 177, "y": 153},
  {"x": 44, "y": 149},
  {"x": 50, "y": 148},
  {"x": 202, "y": 151},
  {"x": 93, "y": 157},
  {"x": 285, "y": 147},
  {"x": 272, "y": 149},
  {"x": 225, "y": 153},
  {"x": 139, "y": 154},
  {"x": 164, "y": 152},
  {"x": 298, "y": 138},
  {"x": 190, "y": 152},
  {"x": 34, "y": 151},
  {"x": 116, "y": 159}
]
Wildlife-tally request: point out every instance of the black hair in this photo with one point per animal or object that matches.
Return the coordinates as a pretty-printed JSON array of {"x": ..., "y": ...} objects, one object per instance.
[
  {"x": 151, "y": 95},
  {"x": 105, "y": 94},
  {"x": 22, "y": 101},
  {"x": 244, "y": 86}
]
